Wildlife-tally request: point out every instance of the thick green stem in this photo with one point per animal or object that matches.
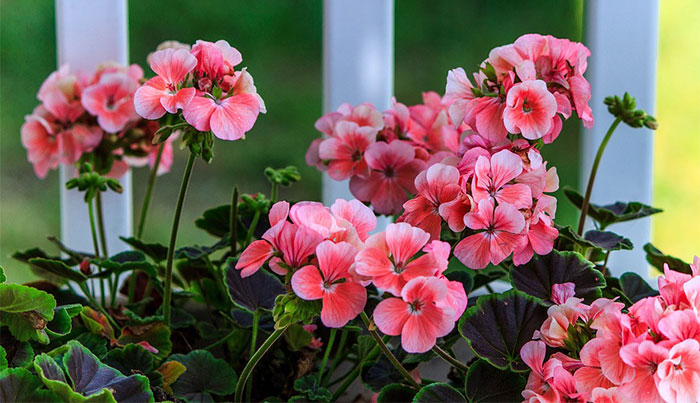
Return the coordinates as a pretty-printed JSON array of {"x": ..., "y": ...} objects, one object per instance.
[
  {"x": 173, "y": 238},
  {"x": 253, "y": 361},
  {"x": 395, "y": 362},
  {"x": 338, "y": 356},
  {"x": 594, "y": 171},
  {"x": 149, "y": 192},
  {"x": 93, "y": 231},
  {"x": 253, "y": 345},
  {"x": 329, "y": 346},
  {"x": 273, "y": 196},
  {"x": 233, "y": 221},
  {"x": 449, "y": 359}
]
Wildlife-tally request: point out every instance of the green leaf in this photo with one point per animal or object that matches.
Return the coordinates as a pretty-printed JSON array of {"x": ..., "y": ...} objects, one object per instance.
[
  {"x": 128, "y": 261},
  {"x": 3, "y": 277},
  {"x": 58, "y": 268},
  {"x": 438, "y": 392},
  {"x": 463, "y": 277},
  {"x": 157, "y": 334},
  {"x": 215, "y": 221},
  {"x": 608, "y": 241},
  {"x": 91, "y": 379},
  {"x": 204, "y": 376},
  {"x": 26, "y": 311},
  {"x": 97, "y": 323},
  {"x": 61, "y": 324},
  {"x": 155, "y": 251},
  {"x": 133, "y": 359},
  {"x": 170, "y": 371},
  {"x": 257, "y": 291},
  {"x": 537, "y": 277},
  {"x": 198, "y": 252},
  {"x": 24, "y": 353},
  {"x": 95, "y": 343},
  {"x": 611, "y": 213},
  {"x": 658, "y": 259},
  {"x": 377, "y": 374},
  {"x": 395, "y": 392},
  {"x": 635, "y": 288},
  {"x": 500, "y": 324},
  {"x": 486, "y": 383},
  {"x": 297, "y": 337},
  {"x": 19, "y": 385},
  {"x": 309, "y": 387}
]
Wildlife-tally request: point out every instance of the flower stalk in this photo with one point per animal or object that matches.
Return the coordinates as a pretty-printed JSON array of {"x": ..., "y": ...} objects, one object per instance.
[{"x": 253, "y": 361}]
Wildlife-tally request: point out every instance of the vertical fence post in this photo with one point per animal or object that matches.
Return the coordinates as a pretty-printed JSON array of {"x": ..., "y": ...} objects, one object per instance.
[
  {"x": 88, "y": 33},
  {"x": 623, "y": 38},
  {"x": 358, "y": 62}
]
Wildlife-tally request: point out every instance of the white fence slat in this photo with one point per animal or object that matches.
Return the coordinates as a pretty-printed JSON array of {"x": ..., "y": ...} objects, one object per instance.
[
  {"x": 89, "y": 32},
  {"x": 358, "y": 62},
  {"x": 623, "y": 38}
]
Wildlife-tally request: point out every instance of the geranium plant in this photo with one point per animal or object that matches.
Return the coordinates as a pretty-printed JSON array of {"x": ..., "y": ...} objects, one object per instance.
[{"x": 297, "y": 300}]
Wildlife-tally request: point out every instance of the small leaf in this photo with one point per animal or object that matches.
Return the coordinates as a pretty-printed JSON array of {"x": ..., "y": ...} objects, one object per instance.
[
  {"x": 486, "y": 383},
  {"x": 297, "y": 337},
  {"x": 500, "y": 324},
  {"x": 170, "y": 372},
  {"x": 19, "y": 385},
  {"x": 635, "y": 288},
  {"x": 537, "y": 277},
  {"x": 155, "y": 251},
  {"x": 198, "y": 252},
  {"x": 253, "y": 292},
  {"x": 309, "y": 387},
  {"x": 215, "y": 221},
  {"x": 658, "y": 259},
  {"x": 97, "y": 323},
  {"x": 58, "y": 268},
  {"x": 156, "y": 334},
  {"x": 611, "y": 213},
  {"x": 438, "y": 392},
  {"x": 26, "y": 311},
  {"x": 608, "y": 240},
  {"x": 204, "y": 376},
  {"x": 134, "y": 359},
  {"x": 61, "y": 324},
  {"x": 395, "y": 392}
]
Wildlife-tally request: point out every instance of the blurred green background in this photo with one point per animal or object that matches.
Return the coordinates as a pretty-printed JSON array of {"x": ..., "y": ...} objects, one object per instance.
[{"x": 281, "y": 45}]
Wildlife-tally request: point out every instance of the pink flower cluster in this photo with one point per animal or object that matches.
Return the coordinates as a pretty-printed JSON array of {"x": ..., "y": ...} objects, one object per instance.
[
  {"x": 202, "y": 82},
  {"x": 332, "y": 257},
  {"x": 523, "y": 88},
  {"x": 649, "y": 352},
  {"x": 79, "y": 110}
]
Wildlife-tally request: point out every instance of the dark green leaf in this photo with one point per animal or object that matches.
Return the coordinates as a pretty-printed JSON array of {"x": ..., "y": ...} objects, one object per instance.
[
  {"x": 539, "y": 275},
  {"x": 297, "y": 337},
  {"x": 309, "y": 387},
  {"x": 156, "y": 334},
  {"x": 204, "y": 376},
  {"x": 75, "y": 255},
  {"x": 61, "y": 324},
  {"x": 215, "y": 221},
  {"x": 635, "y": 288},
  {"x": 486, "y": 383},
  {"x": 19, "y": 385},
  {"x": 438, "y": 392},
  {"x": 155, "y": 251},
  {"x": 611, "y": 213},
  {"x": 608, "y": 241},
  {"x": 463, "y": 277},
  {"x": 395, "y": 392},
  {"x": 58, "y": 268},
  {"x": 256, "y": 291},
  {"x": 134, "y": 359},
  {"x": 95, "y": 343},
  {"x": 377, "y": 374},
  {"x": 500, "y": 324},
  {"x": 26, "y": 311},
  {"x": 658, "y": 259},
  {"x": 198, "y": 252}
]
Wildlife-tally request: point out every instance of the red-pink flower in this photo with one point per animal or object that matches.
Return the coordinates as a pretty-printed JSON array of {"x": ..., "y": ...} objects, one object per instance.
[
  {"x": 537, "y": 389},
  {"x": 555, "y": 329},
  {"x": 163, "y": 93},
  {"x": 499, "y": 234},
  {"x": 415, "y": 316},
  {"x": 363, "y": 115},
  {"x": 343, "y": 299},
  {"x": 111, "y": 100},
  {"x": 388, "y": 257},
  {"x": 357, "y": 214},
  {"x": 393, "y": 169},
  {"x": 346, "y": 148},
  {"x": 46, "y": 149},
  {"x": 214, "y": 60},
  {"x": 645, "y": 357},
  {"x": 530, "y": 109},
  {"x": 437, "y": 185},
  {"x": 230, "y": 117},
  {"x": 60, "y": 94},
  {"x": 679, "y": 374},
  {"x": 429, "y": 125},
  {"x": 492, "y": 179}
]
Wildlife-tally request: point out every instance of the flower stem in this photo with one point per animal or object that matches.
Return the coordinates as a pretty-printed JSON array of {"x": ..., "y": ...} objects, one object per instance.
[
  {"x": 273, "y": 195},
  {"x": 222, "y": 340},
  {"x": 253, "y": 343},
  {"x": 251, "y": 229},
  {"x": 594, "y": 171},
  {"x": 329, "y": 346},
  {"x": 253, "y": 361},
  {"x": 173, "y": 237},
  {"x": 103, "y": 242},
  {"x": 93, "y": 231},
  {"x": 338, "y": 355},
  {"x": 149, "y": 192},
  {"x": 233, "y": 221},
  {"x": 395, "y": 362},
  {"x": 449, "y": 359}
]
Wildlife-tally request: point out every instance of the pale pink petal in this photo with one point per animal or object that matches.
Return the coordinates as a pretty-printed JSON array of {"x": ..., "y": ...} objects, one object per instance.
[
  {"x": 179, "y": 100},
  {"x": 307, "y": 283},
  {"x": 390, "y": 315},
  {"x": 235, "y": 116},
  {"x": 198, "y": 112},
  {"x": 342, "y": 303},
  {"x": 278, "y": 212},
  {"x": 147, "y": 99}
]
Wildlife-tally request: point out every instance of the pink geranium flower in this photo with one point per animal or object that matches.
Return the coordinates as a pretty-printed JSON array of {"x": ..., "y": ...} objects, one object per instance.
[
  {"x": 388, "y": 257},
  {"x": 163, "y": 93},
  {"x": 645, "y": 357},
  {"x": 363, "y": 115},
  {"x": 46, "y": 149},
  {"x": 499, "y": 235},
  {"x": 360, "y": 216},
  {"x": 60, "y": 94},
  {"x": 111, "y": 100},
  {"x": 393, "y": 169},
  {"x": 437, "y": 185},
  {"x": 530, "y": 109},
  {"x": 343, "y": 299},
  {"x": 429, "y": 125},
  {"x": 346, "y": 148},
  {"x": 492, "y": 180},
  {"x": 415, "y": 316},
  {"x": 679, "y": 374},
  {"x": 215, "y": 59}
]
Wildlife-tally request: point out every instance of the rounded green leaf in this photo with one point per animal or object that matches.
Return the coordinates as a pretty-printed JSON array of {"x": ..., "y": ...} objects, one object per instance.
[
  {"x": 204, "y": 376},
  {"x": 19, "y": 385},
  {"x": 438, "y": 392},
  {"x": 486, "y": 383},
  {"x": 396, "y": 392}
]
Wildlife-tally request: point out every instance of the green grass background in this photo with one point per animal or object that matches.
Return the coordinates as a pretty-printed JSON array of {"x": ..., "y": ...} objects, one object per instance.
[{"x": 281, "y": 44}]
